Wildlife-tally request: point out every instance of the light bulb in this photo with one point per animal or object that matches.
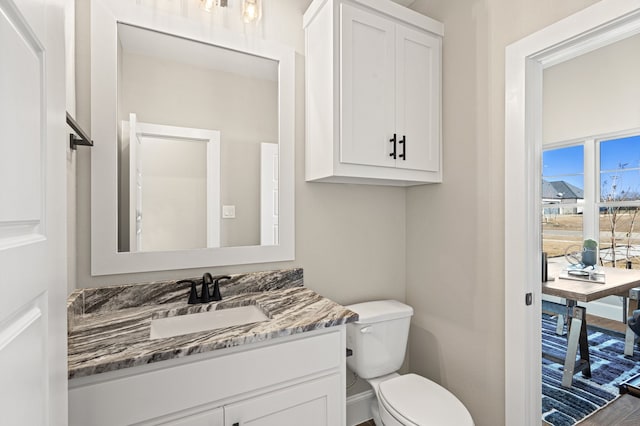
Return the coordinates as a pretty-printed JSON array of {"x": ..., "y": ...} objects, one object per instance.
[
  {"x": 207, "y": 5},
  {"x": 251, "y": 10}
]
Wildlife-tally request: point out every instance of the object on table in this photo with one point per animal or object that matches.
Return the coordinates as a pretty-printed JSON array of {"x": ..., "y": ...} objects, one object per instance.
[{"x": 580, "y": 272}]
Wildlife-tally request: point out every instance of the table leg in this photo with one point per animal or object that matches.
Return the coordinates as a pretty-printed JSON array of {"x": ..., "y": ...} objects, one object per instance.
[
  {"x": 576, "y": 339},
  {"x": 584, "y": 341},
  {"x": 630, "y": 336},
  {"x": 560, "y": 325},
  {"x": 629, "y": 341}
]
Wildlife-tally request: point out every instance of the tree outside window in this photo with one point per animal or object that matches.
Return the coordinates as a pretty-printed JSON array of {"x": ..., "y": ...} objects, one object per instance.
[{"x": 620, "y": 201}]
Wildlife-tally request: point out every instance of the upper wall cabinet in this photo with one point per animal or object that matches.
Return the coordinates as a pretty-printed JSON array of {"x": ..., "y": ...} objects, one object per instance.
[{"x": 373, "y": 94}]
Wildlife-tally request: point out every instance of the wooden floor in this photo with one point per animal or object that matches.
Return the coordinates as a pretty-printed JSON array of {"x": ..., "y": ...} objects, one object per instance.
[
  {"x": 624, "y": 411},
  {"x": 368, "y": 423}
]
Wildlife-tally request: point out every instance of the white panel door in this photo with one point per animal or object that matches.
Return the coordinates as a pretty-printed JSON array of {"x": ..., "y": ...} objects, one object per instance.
[
  {"x": 313, "y": 403},
  {"x": 418, "y": 99},
  {"x": 174, "y": 187},
  {"x": 367, "y": 89},
  {"x": 33, "y": 141}
]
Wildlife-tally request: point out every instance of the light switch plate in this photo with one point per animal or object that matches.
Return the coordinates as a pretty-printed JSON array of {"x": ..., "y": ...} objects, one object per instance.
[{"x": 228, "y": 212}]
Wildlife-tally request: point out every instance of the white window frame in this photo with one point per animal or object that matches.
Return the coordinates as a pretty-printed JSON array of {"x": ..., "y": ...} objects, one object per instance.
[
  {"x": 591, "y": 170},
  {"x": 587, "y": 214}
]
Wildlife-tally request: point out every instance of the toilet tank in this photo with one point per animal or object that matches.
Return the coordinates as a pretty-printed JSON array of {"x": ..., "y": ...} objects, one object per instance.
[{"x": 379, "y": 338}]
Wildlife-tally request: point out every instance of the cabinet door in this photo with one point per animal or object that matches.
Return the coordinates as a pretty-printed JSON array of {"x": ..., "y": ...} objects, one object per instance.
[
  {"x": 208, "y": 418},
  {"x": 418, "y": 99},
  {"x": 367, "y": 99},
  {"x": 314, "y": 403}
]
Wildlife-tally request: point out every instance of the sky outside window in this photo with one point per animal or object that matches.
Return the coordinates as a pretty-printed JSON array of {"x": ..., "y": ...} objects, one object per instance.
[
  {"x": 562, "y": 199},
  {"x": 620, "y": 182},
  {"x": 620, "y": 169},
  {"x": 566, "y": 164}
]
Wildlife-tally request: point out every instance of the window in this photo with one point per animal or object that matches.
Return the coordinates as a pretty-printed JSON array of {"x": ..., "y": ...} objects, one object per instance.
[
  {"x": 619, "y": 201},
  {"x": 591, "y": 189},
  {"x": 562, "y": 199}
]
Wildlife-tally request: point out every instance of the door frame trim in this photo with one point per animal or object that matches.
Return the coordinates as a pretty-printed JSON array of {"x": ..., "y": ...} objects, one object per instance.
[{"x": 596, "y": 26}]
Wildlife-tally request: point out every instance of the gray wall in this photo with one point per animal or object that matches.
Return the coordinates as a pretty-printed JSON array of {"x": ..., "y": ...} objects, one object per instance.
[
  {"x": 455, "y": 238},
  {"x": 594, "y": 93}
]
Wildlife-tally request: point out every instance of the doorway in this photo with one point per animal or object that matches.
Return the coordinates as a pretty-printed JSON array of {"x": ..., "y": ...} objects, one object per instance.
[{"x": 594, "y": 27}]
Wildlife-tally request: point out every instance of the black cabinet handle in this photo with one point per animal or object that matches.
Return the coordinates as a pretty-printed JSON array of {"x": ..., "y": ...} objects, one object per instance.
[
  {"x": 393, "y": 141},
  {"x": 403, "y": 142},
  {"x": 236, "y": 424}
]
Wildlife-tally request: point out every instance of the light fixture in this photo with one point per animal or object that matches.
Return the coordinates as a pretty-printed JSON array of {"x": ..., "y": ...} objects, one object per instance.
[
  {"x": 207, "y": 5},
  {"x": 251, "y": 10}
]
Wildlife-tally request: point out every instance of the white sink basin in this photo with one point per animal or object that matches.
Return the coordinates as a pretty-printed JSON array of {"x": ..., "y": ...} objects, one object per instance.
[{"x": 204, "y": 321}]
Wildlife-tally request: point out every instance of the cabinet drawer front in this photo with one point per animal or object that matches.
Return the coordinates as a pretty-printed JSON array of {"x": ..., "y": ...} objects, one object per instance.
[
  {"x": 148, "y": 395},
  {"x": 313, "y": 403}
]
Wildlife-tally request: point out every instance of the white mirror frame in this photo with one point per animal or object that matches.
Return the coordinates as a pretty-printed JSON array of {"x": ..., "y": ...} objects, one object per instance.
[
  {"x": 596, "y": 26},
  {"x": 105, "y": 258}
]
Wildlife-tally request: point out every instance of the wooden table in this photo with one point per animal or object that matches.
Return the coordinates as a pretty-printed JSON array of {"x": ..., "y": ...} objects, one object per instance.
[{"x": 618, "y": 282}]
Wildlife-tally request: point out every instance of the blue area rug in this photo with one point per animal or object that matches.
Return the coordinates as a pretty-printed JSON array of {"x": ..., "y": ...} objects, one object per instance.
[{"x": 609, "y": 367}]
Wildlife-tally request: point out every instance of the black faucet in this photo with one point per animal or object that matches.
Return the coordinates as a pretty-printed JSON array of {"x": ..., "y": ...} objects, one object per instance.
[
  {"x": 193, "y": 294},
  {"x": 216, "y": 287},
  {"x": 205, "y": 296}
]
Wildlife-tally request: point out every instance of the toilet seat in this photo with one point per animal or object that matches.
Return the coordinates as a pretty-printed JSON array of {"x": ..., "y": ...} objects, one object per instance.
[{"x": 416, "y": 401}]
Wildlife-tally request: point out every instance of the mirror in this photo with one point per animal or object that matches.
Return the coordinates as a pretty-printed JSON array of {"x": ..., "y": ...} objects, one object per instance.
[
  {"x": 193, "y": 131},
  {"x": 181, "y": 89}
]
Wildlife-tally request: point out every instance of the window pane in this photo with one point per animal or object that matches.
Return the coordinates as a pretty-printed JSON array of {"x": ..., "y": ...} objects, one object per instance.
[
  {"x": 620, "y": 169},
  {"x": 563, "y": 161},
  {"x": 619, "y": 236},
  {"x": 619, "y": 182},
  {"x": 560, "y": 232},
  {"x": 562, "y": 199}
]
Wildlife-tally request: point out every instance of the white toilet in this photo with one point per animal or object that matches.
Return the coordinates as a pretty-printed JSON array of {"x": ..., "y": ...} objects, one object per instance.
[{"x": 378, "y": 341}]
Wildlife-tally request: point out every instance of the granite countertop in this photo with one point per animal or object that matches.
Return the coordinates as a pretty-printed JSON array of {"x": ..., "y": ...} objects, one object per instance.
[{"x": 109, "y": 326}]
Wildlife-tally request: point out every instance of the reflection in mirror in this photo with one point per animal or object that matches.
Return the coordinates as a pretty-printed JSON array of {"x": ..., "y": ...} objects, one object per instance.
[
  {"x": 175, "y": 193},
  {"x": 158, "y": 218}
]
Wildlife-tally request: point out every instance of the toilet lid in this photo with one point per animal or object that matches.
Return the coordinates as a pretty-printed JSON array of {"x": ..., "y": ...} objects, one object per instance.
[{"x": 415, "y": 400}]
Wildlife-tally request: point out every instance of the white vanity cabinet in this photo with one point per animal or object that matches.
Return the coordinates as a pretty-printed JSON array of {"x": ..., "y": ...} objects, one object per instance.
[
  {"x": 286, "y": 381},
  {"x": 373, "y": 93},
  {"x": 312, "y": 403}
]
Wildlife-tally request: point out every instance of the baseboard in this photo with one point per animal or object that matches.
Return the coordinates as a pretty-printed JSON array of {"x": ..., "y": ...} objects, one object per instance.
[{"x": 359, "y": 407}]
